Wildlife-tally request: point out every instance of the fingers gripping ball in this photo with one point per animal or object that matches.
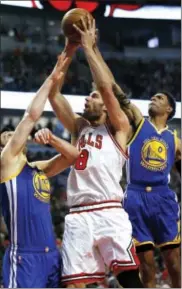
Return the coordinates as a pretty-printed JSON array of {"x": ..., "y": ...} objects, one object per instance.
[{"x": 74, "y": 17}]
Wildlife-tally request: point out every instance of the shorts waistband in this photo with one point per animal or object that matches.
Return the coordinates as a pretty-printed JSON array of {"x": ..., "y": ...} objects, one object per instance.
[
  {"x": 95, "y": 206},
  {"x": 46, "y": 249},
  {"x": 148, "y": 188}
]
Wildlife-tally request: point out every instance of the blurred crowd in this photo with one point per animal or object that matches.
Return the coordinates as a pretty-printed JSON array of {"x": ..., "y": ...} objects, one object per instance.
[{"x": 25, "y": 70}]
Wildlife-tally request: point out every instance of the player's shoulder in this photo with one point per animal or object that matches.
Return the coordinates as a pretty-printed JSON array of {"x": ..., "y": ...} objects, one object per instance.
[{"x": 10, "y": 170}]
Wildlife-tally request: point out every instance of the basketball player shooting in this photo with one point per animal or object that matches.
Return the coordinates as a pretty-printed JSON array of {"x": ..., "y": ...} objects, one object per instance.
[
  {"x": 31, "y": 260},
  {"x": 97, "y": 229},
  {"x": 153, "y": 151}
]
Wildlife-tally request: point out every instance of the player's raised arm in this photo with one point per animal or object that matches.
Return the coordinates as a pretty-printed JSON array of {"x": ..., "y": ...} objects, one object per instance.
[
  {"x": 59, "y": 103},
  {"x": 17, "y": 142},
  {"x": 132, "y": 111},
  {"x": 103, "y": 82},
  {"x": 67, "y": 157}
]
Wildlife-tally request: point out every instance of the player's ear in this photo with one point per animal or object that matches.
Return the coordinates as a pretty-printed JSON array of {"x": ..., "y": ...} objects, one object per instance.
[
  {"x": 169, "y": 109},
  {"x": 104, "y": 108}
]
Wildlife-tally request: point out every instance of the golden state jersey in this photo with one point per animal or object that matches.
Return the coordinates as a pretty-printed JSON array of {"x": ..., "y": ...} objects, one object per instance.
[
  {"x": 96, "y": 175},
  {"x": 25, "y": 201},
  {"x": 151, "y": 155}
]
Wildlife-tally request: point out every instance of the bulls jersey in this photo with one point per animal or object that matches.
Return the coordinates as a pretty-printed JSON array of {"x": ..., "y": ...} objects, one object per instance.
[
  {"x": 25, "y": 203},
  {"x": 151, "y": 155},
  {"x": 96, "y": 175}
]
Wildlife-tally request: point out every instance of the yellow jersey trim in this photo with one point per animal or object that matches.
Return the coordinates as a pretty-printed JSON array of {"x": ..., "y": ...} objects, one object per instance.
[
  {"x": 169, "y": 243},
  {"x": 14, "y": 175},
  {"x": 159, "y": 131},
  {"x": 137, "y": 243},
  {"x": 176, "y": 240},
  {"x": 136, "y": 133}
]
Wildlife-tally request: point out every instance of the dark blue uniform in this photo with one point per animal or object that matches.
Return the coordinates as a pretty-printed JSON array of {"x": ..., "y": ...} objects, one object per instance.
[
  {"x": 32, "y": 259},
  {"x": 151, "y": 205}
]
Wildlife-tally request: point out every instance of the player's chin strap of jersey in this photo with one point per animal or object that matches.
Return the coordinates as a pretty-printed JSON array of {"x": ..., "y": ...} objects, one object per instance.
[{"x": 178, "y": 166}]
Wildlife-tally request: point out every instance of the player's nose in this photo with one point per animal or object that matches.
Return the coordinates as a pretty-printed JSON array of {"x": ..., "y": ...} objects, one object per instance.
[
  {"x": 153, "y": 98},
  {"x": 88, "y": 98}
]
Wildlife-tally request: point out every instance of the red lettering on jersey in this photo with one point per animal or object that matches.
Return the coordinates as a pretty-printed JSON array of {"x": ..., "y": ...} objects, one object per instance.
[
  {"x": 90, "y": 142},
  {"x": 98, "y": 143},
  {"x": 82, "y": 142}
]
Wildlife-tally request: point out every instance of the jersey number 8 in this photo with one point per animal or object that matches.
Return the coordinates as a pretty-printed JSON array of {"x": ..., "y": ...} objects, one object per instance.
[{"x": 81, "y": 162}]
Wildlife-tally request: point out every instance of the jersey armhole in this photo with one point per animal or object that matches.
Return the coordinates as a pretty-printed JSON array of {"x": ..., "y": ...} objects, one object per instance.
[
  {"x": 13, "y": 175},
  {"x": 136, "y": 132},
  {"x": 125, "y": 154}
]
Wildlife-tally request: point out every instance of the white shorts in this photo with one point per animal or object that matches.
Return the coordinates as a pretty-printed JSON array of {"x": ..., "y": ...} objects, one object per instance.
[{"x": 96, "y": 236}]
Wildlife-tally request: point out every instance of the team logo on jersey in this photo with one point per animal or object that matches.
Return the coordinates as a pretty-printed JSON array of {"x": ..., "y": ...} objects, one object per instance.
[
  {"x": 154, "y": 154},
  {"x": 42, "y": 187}
]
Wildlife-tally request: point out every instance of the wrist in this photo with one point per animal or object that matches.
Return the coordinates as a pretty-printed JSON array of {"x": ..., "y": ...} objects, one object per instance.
[
  {"x": 51, "y": 137},
  {"x": 88, "y": 49}
]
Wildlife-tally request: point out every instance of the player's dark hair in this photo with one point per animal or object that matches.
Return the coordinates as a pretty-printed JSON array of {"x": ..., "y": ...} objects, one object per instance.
[
  {"x": 6, "y": 128},
  {"x": 172, "y": 103}
]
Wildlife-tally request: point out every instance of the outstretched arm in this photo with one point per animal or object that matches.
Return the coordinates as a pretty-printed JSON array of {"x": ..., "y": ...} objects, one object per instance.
[
  {"x": 33, "y": 113},
  {"x": 66, "y": 158},
  {"x": 101, "y": 78},
  {"x": 132, "y": 111},
  {"x": 59, "y": 103}
]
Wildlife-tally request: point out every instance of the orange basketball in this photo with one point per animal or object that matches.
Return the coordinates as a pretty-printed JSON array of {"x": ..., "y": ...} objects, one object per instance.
[{"x": 73, "y": 17}]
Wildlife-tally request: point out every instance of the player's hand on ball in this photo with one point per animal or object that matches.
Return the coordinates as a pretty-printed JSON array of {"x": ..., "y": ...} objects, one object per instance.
[
  {"x": 43, "y": 136},
  {"x": 70, "y": 47},
  {"x": 88, "y": 34}
]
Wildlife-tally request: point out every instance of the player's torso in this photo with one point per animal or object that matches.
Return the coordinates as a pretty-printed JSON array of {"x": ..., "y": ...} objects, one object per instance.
[
  {"x": 151, "y": 155},
  {"x": 26, "y": 209},
  {"x": 97, "y": 172}
]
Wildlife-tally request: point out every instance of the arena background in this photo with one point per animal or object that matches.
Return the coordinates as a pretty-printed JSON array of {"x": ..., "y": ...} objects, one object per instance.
[{"x": 141, "y": 42}]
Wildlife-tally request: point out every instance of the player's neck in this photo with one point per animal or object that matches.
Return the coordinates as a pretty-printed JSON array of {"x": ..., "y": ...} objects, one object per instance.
[
  {"x": 158, "y": 121},
  {"x": 99, "y": 121}
]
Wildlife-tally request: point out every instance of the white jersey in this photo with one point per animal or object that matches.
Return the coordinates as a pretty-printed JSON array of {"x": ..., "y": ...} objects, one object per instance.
[{"x": 96, "y": 175}]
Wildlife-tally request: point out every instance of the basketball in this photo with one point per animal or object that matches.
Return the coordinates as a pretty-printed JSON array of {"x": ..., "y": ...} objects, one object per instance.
[{"x": 74, "y": 17}]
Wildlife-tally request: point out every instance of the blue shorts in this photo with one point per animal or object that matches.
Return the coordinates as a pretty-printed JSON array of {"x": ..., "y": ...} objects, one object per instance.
[
  {"x": 31, "y": 269},
  {"x": 154, "y": 214}
]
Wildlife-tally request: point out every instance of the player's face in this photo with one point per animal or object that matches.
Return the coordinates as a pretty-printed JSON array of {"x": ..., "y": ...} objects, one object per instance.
[
  {"x": 94, "y": 106},
  {"x": 5, "y": 136},
  {"x": 159, "y": 105}
]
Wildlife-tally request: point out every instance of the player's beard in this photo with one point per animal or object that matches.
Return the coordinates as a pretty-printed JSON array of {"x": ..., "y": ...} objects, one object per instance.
[{"x": 91, "y": 116}]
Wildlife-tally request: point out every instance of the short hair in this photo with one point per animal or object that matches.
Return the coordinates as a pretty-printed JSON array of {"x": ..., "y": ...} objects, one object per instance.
[
  {"x": 6, "y": 128},
  {"x": 172, "y": 103}
]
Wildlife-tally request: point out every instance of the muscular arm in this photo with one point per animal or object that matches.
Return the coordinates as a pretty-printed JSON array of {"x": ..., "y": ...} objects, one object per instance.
[
  {"x": 131, "y": 110},
  {"x": 70, "y": 120},
  {"x": 116, "y": 115},
  {"x": 32, "y": 113},
  {"x": 68, "y": 155}
]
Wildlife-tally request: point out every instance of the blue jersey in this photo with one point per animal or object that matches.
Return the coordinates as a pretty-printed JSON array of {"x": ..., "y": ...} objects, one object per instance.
[
  {"x": 151, "y": 155},
  {"x": 25, "y": 203}
]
